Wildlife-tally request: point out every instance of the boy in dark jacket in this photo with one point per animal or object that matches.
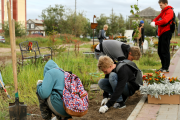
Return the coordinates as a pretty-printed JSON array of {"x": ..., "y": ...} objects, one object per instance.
[
  {"x": 164, "y": 34},
  {"x": 117, "y": 83}
]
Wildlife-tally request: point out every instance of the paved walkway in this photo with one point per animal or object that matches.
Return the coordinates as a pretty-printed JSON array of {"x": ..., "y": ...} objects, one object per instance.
[{"x": 163, "y": 112}]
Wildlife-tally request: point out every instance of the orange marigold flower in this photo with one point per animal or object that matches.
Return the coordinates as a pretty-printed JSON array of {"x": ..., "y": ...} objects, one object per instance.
[
  {"x": 144, "y": 76},
  {"x": 150, "y": 78}
]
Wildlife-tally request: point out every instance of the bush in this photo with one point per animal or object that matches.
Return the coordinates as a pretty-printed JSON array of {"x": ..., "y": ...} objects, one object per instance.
[
  {"x": 19, "y": 29},
  {"x": 149, "y": 30}
]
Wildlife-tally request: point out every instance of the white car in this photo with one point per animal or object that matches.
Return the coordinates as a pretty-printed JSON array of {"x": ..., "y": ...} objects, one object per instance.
[{"x": 2, "y": 39}]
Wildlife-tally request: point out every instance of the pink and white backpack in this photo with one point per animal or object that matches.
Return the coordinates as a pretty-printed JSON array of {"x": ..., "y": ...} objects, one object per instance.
[{"x": 75, "y": 98}]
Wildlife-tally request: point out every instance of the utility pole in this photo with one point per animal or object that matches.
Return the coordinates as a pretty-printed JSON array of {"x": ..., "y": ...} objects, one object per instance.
[
  {"x": 137, "y": 2},
  {"x": 112, "y": 20},
  {"x": 75, "y": 20},
  {"x": 75, "y": 7}
]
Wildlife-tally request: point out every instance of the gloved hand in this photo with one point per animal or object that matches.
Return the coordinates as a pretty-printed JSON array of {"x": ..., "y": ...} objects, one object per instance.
[
  {"x": 153, "y": 24},
  {"x": 39, "y": 81},
  {"x": 104, "y": 101},
  {"x": 103, "y": 109},
  {"x": 54, "y": 118}
]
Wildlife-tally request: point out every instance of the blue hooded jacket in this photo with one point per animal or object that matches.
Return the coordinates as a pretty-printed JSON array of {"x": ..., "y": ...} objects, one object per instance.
[
  {"x": 1, "y": 80},
  {"x": 53, "y": 79}
]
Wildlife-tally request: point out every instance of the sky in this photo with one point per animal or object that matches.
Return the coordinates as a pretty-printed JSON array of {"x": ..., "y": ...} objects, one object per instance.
[{"x": 96, "y": 7}]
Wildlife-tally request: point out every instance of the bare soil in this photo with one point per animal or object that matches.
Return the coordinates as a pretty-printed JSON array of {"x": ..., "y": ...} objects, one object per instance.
[{"x": 93, "y": 110}]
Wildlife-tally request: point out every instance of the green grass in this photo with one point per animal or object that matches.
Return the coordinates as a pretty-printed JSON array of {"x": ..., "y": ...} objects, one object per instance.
[
  {"x": 42, "y": 41},
  {"x": 82, "y": 46},
  {"x": 4, "y": 45}
]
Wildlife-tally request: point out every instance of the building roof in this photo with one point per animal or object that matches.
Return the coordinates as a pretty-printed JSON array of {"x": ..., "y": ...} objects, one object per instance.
[
  {"x": 148, "y": 12},
  {"x": 36, "y": 21}
]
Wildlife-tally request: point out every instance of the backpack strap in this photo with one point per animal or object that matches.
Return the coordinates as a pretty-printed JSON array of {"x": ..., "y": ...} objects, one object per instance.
[
  {"x": 128, "y": 62},
  {"x": 170, "y": 20},
  {"x": 119, "y": 66}
]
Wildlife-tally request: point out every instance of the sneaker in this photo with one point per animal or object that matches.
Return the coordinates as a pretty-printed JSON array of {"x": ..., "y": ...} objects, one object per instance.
[
  {"x": 164, "y": 71},
  {"x": 159, "y": 70},
  {"x": 124, "y": 98},
  {"x": 119, "y": 105}
]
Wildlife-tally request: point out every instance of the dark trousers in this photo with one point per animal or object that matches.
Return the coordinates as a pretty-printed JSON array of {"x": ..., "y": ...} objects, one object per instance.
[
  {"x": 140, "y": 42},
  {"x": 164, "y": 49},
  {"x": 100, "y": 40},
  {"x": 46, "y": 113}
]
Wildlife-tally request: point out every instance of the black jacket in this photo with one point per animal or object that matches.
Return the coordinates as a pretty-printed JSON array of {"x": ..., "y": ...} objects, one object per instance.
[{"x": 125, "y": 74}]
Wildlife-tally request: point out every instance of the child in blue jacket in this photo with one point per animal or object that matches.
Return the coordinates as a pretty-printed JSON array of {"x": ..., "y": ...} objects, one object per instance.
[
  {"x": 48, "y": 92},
  {"x": 1, "y": 81}
]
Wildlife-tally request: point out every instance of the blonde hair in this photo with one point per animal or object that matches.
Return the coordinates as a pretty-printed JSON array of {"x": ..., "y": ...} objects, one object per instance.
[
  {"x": 105, "y": 26},
  {"x": 135, "y": 52},
  {"x": 104, "y": 62}
]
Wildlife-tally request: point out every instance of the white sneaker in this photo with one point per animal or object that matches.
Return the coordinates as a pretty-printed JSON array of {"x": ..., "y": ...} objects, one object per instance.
[
  {"x": 54, "y": 118},
  {"x": 119, "y": 105}
]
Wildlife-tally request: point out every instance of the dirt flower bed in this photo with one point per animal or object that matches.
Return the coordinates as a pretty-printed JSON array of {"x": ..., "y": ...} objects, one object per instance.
[{"x": 93, "y": 111}]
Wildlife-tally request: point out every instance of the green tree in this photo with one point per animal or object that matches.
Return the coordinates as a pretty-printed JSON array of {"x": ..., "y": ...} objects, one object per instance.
[
  {"x": 75, "y": 24},
  {"x": 64, "y": 21},
  {"x": 113, "y": 24},
  {"x": 149, "y": 30},
  {"x": 121, "y": 24},
  {"x": 19, "y": 29},
  {"x": 53, "y": 18},
  {"x": 102, "y": 20}
]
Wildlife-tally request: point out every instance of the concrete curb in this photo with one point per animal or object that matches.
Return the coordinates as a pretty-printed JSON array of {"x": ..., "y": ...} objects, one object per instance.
[{"x": 137, "y": 109}]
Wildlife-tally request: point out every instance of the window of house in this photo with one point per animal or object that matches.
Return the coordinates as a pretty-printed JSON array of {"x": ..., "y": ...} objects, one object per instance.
[
  {"x": 32, "y": 25},
  {"x": 27, "y": 26}
]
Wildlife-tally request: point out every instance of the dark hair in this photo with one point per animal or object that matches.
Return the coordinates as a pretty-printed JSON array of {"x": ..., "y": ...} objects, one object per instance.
[{"x": 163, "y": 1}]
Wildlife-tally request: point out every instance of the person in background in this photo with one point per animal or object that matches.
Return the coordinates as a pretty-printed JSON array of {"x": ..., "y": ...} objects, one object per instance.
[
  {"x": 164, "y": 34},
  {"x": 1, "y": 81},
  {"x": 141, "y": 36},
  {"x": 102, "y": 34}
]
